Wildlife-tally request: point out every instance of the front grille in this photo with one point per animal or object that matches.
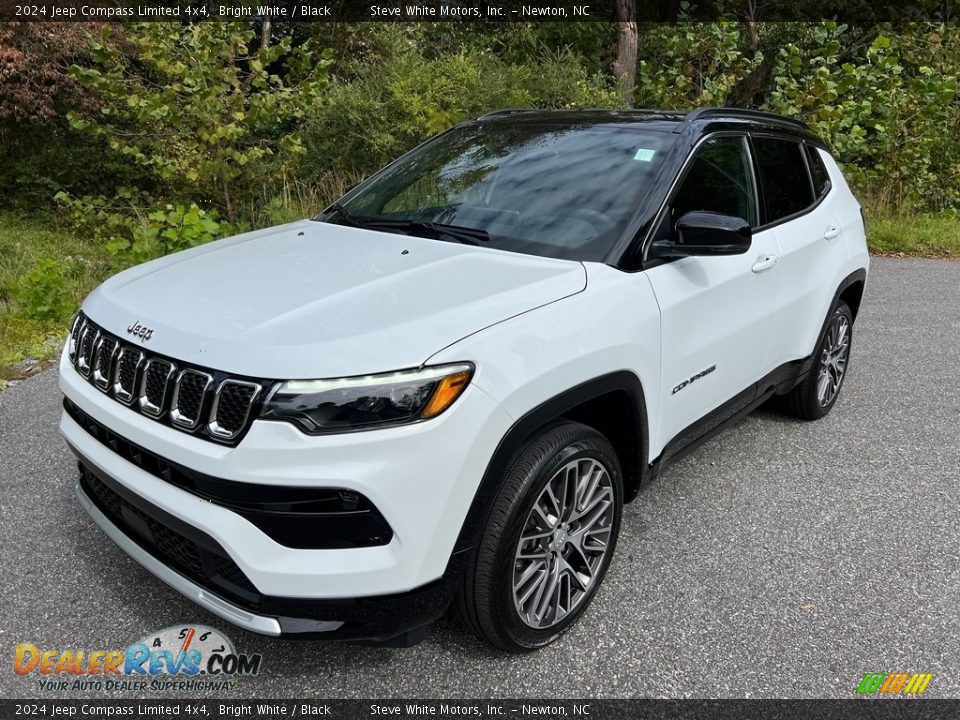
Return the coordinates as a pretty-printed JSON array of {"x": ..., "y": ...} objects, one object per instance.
[
  {"x": 189, "y": 396},
  {"x": 88, "y": 339},
  {"x": 153, "y": 387},
  {"x": 125, "y": 374},
  {"x": 205, "y": 562},
  {"x": 72, "y": 343},
  {"x": 231, "y": 407},
  {"x": 103, "y": 361},
  {"x": 210, "y": 404}
]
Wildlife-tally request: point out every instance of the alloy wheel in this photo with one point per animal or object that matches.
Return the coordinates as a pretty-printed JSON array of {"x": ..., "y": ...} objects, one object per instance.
[
  {"x": 563, "y": 544},
  {"x": 833, "y": 359}
]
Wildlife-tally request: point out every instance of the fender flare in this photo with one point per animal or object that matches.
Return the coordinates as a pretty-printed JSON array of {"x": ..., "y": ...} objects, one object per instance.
[
  {"x": 858, "y": 275},
  {"x": 527, "y": 426}
]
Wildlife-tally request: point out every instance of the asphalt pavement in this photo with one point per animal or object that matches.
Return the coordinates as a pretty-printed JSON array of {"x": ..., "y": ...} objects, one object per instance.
[{"x": 782, "y": 559}]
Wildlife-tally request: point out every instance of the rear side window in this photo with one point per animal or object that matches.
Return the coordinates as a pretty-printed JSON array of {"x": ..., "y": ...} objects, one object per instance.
[
  {"x": 818, "y": 173},
  {"x": 783, "y": 172}
]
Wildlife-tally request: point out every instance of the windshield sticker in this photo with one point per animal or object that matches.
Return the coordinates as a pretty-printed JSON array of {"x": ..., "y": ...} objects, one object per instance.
[{"x": 644, "y": 154}]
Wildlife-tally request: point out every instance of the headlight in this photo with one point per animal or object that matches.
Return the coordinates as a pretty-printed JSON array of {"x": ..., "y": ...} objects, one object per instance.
[{"x": 356, "y": 403}]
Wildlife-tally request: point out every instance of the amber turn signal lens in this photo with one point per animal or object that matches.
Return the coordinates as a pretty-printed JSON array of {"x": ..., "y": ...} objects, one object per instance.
[{"x": 447, "y": 391}]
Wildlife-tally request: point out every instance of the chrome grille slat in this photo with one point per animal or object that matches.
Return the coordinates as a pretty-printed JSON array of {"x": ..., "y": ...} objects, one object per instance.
[
  {"x": 189, "y": 396},
  {"x": 88, "y": 340},
  {"x": 210, "y": 404},
  {"x": 125, "y": 374},
  {"x": 103, "y": 356},
  {"x": 78, "y": 322},
  {"x": 231, "y": 408},
  {"x": 154, "y": 386}
]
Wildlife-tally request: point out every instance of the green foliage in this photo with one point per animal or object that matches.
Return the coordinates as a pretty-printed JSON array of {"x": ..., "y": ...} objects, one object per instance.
[
  {"x": 198, "y": 107},
  {"x": 45, "y": 271},
  {"x": 44, "y": 293},
  {"x": 891, "y": 111},
  {"x": 693, "y": 64},
  {"x": 885, "y": 97},
  {"x": 391, "y": 106},
  {"x": 170, "y": 230},
  {"x": 134, "y": 236}
]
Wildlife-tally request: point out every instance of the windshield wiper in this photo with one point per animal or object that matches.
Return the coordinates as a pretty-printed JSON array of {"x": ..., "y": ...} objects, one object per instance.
[
  {"x": 345, "y": 214},
  {"x": 466, "y": 235}
]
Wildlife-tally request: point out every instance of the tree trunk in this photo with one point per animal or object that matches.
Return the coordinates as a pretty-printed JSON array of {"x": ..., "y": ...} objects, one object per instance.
[
  {"x": 265, "y": 35},
  {"x": 625, "y": 68}
]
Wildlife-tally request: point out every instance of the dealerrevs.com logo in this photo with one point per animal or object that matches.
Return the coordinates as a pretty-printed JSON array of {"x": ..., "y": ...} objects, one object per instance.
[{"x": 189, "y": 657}]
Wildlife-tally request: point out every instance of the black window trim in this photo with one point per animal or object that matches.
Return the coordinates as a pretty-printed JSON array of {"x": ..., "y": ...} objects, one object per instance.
[
  {"x": 806, "y": 163},
  {"x": 681, "y": 174},
  {"x": 810, "y": 148}
]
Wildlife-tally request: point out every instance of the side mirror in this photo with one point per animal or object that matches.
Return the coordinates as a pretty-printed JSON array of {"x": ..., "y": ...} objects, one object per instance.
[{"x": 705, "y": 233}]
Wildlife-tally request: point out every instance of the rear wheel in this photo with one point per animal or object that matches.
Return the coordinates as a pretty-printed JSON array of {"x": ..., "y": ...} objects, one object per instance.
[
  {"x": 816, "y": 395},
  {"x": 547, "y": 542}
]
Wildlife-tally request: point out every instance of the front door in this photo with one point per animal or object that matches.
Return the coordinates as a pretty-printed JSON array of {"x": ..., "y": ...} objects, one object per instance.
[{"x": 717, "y": 313}]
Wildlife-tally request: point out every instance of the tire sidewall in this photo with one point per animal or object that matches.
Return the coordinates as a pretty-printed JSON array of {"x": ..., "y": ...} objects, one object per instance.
[{"x": 520, "y": 633}]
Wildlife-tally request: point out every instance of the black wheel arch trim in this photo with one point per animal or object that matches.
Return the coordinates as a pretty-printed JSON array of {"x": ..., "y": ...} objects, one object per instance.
[
  {"x": 539, "y": 418},
  {"x": 857, "y": 276}
]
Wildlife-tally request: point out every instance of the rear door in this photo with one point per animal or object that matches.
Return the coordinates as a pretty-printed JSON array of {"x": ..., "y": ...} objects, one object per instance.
[
  {"x": 799, "y": 211},
  {"x": 717, "y": 312}
]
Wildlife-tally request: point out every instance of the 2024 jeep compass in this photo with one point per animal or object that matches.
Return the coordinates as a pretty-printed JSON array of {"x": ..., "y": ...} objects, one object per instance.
[{"x": 445, "y": 387}]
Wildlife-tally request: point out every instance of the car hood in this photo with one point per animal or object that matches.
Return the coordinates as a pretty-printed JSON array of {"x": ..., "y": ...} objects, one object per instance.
[{"x": 317, "y": 300}]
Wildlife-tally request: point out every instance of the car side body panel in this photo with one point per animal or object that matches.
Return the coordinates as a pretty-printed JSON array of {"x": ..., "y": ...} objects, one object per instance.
[
  {"x": 614, "y": 325},
  {"x": 818, "y": 249}
]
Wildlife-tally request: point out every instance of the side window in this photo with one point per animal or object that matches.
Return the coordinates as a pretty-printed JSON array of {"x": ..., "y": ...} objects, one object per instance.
[
  {"x": 818, "y": 173},
  {"x": 718, "y": 180},
  {"x": 783, "y": 172}
]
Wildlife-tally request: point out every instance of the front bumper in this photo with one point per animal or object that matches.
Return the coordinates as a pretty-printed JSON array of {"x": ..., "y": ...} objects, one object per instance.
[
  {"x": 421, "y": 478},
  {"x": 194, "y": 564}
]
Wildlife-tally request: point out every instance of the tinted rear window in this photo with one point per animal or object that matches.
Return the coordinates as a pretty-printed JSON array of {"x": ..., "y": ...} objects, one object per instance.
[
  {"x": 783, "y": 172},
  {"x": 821, "y": 181}
]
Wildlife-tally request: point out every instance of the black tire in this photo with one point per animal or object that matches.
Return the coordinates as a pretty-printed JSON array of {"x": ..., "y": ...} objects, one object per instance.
[
  {"x": 805, "y": 401},
  {"x": 485, "y": 600}
]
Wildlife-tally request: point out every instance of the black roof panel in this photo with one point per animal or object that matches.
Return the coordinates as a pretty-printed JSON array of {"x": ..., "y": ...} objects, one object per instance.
[{"x": 703, "y": 119}]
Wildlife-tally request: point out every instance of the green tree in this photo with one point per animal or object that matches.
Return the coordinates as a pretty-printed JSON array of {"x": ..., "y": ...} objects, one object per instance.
[
  {"x": 890, "y": 106},
  {"x": 200, "y": 107}
]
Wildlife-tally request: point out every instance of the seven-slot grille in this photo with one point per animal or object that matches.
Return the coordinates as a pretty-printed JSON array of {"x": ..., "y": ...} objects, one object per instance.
[{"x": 210, "y": 404}]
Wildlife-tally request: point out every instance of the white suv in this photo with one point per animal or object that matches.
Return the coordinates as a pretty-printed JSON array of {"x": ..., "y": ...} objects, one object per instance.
[{"x": 445, "y": 387}]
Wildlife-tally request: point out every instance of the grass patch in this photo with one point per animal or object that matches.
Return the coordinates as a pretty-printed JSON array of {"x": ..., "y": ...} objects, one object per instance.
[
  {"x": 930, "y": 236},
  {"x": 36, "y": 304}
]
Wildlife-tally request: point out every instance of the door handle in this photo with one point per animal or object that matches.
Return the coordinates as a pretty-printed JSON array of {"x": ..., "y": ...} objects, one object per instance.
[
  {"x": 831, "y": 232},
  {"x": 765, "y": 262}
]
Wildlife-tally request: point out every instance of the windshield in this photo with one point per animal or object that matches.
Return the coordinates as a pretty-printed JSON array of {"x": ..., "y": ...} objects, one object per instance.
[{"x": 564, "y": 192}]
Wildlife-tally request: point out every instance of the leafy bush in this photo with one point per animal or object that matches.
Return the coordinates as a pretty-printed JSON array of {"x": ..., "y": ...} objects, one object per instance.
[
  {"x": 392, "y": 105},
  {"x": 44, "y": 294},
  {"x": 693, "y": 64},
  {"x": 892, "y": 112},
  {"x": 198, "y": 106},
  {"x": 887, "y": 98},
  {"x": 133, "y": 235}
]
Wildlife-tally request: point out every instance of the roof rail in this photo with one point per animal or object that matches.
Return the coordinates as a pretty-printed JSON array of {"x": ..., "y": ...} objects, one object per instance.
[
  {"x": 707, "y": 112},
  {"x": 505, "y": 111}
]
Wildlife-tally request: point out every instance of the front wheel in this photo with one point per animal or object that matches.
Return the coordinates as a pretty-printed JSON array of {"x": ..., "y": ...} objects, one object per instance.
[
  {"x": 548, "y": 540},
  {"x": 816, "y": 395}
]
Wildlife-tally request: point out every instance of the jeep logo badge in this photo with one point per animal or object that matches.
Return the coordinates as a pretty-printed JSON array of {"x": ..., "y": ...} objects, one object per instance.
[{"x": 140, "y": 331}]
